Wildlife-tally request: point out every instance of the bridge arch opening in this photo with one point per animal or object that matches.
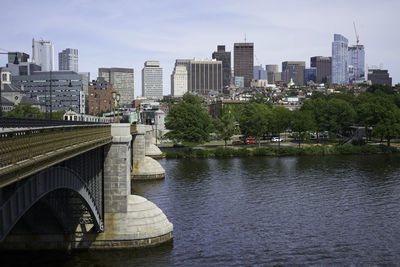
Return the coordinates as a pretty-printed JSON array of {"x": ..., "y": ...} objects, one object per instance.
[{"x": 61, "y": 189}]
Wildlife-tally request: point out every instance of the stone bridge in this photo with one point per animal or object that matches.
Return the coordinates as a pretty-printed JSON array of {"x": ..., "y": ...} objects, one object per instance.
[{"x": 69, "y": 187}]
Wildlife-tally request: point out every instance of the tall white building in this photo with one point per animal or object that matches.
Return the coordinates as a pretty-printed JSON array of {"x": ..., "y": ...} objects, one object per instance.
[
  {"x": 152, "y": 81},
  {"x": 43, "y": 54},
  {"x": 340, "y": 74},
  {"x": 68, "y": 59},
  {"x": 179, "y": 81}
]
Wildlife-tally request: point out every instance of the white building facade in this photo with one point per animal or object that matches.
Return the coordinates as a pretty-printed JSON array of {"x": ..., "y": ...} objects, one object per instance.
[
  {"x": 152, "y": 80},
  {"x": 43, "y": 54},
  {"x": 179, "y": 81}
]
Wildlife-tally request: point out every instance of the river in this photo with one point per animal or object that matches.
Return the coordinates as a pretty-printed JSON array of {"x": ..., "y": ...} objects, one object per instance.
[{"x": 331, "y": 210}]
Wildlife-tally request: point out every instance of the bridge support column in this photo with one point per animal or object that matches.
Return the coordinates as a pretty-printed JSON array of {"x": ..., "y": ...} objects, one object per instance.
[
  {"x": 129, "y": 220},
  {"x": 144, "y": 167},
  {"x": 151, "y": 149}
]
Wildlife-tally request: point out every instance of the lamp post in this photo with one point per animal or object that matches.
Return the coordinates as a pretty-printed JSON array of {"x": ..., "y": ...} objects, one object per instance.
[
  {"x": 16, "y": 62},
  {"x": 114, "y": 96},
  {"x": 118, "y": 98},
  {"x": 51, "y": 103}
]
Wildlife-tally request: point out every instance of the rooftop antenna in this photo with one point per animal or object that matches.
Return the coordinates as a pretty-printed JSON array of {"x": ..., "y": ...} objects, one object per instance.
[
  {"x": 245, "y": 37},
  {"x": 357, "y": 40}
]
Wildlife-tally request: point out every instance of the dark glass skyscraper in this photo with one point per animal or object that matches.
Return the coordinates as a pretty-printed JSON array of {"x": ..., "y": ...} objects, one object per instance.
[
  {"x": 324, "y": 68},
  {"x": 293, "y": 70},
  {"x": 225, "y": 57},
  {"x": 244, "y": 61}
]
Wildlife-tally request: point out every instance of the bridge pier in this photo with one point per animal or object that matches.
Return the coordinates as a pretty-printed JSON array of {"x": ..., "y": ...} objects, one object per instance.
[
  {"x": 129, "y": 220},
  {"x": 151, "y": 149},
  {"x": 144, "y": 167}
]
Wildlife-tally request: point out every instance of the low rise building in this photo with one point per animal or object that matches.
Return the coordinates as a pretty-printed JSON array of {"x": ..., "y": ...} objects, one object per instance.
[{"x": 100, "y": 96}]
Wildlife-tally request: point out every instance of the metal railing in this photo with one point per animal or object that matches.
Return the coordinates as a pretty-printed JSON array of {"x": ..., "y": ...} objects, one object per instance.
[
  {"x": 10, "y": 122},
  {"x": 24, "y": 152}
]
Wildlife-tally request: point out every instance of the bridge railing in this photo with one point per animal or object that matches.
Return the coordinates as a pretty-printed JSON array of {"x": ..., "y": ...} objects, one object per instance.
[
  {"x": 10, "y": 122},
  {"x": 24, "y": 152}
]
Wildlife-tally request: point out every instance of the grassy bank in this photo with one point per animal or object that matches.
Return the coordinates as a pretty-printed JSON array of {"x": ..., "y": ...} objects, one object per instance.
[{"x": 281, "y": 151}]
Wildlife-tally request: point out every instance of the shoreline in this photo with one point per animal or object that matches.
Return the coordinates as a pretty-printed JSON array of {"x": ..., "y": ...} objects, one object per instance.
[{"x": 320, "y": 150}]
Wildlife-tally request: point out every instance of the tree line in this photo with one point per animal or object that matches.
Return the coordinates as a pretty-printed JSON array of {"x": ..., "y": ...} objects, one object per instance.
[{"x": 377, "y": 109}]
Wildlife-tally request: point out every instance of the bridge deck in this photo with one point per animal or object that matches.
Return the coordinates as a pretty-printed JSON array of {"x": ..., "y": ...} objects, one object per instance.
[{"x": 27, "y": 151}]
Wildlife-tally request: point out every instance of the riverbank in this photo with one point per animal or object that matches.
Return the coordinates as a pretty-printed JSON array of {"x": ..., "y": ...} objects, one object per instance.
[{"x": 318, "y": 150}]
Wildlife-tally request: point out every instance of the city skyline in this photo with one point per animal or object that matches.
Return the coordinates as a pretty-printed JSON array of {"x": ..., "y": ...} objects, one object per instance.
[{"x": 119, "y": 34}]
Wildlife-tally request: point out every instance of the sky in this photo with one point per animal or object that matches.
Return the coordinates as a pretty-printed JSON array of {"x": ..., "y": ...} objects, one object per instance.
[{"x": 126, "y": 33}]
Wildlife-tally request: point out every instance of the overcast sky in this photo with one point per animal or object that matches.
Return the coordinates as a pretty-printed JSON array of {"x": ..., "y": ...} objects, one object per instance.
[{"x": 127, "y": 33}]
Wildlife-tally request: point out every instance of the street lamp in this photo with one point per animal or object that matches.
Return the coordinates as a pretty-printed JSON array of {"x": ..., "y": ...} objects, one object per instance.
[
  {"x": 51, "y": 103},
  {"x": 16, "y": 62},
  {"x": 118, "y": 98},
  {"x": 114, "y": 96}
]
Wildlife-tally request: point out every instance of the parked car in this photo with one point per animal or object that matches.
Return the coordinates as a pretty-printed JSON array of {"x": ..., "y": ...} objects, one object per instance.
[
  {"x": 276, "y": 139},
  {"x": 249, "y": 140}
]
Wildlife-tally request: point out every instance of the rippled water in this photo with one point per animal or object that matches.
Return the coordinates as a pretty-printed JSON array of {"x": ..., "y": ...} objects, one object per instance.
[{"x": 271, "y": 211}]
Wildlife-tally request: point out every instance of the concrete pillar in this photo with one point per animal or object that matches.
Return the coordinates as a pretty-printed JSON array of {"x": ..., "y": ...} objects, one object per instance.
[
  {"x": 144, "y": 167},
  {"x": 151, "y": 149},
  {"x": 129, "y": 220},
  {"x": 117, "y": 182}
]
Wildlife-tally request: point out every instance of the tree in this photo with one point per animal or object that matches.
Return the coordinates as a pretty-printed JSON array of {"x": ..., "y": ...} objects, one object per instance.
[
  {"x": 281, "y": 117},
  {"x": 341, "y": 115},
  {"x": 225, "y": 126},
  {"x": 24, "y": 110},
  {"x": 302, "y": 122},
  {"x": 188, "y": 122},
  {"x": 380, "y": 113},
  {"x": 255, "y": 120}
]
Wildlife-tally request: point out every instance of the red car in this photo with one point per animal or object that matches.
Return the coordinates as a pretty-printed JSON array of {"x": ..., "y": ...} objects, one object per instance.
[{"x": 250, "y": 141}]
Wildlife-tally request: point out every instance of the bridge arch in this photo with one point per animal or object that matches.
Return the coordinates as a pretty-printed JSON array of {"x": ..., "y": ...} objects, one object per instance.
[{"x": 38, "y": 186}]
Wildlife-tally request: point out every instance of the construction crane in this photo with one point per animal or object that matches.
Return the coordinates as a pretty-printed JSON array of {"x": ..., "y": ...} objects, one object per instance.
[{"x": 357, "y": 41}]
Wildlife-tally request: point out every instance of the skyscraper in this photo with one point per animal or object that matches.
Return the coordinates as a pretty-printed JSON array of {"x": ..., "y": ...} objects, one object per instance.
[
  {"x": 152, "y": 81},
  {"x": 179, "y": 81},
  {"x": 273, "y": 74},
  {"x": 324, "y": 68},
  {"x": 122, "y": 79},
  {"x": 356, "y": 71},
  {"x": 244, "y": 61},
  {"x": 259, "y": 73},
  {"x": 68, "y": 59},
  {"x": 225, "y": 57},
  {"x": 293, "y": 70},
  {"x": 206, "y": 76},
  {"x": 310, "y": 74},
  {"x": 340, "y": 73},
  {"x": 43, "y": 54}
]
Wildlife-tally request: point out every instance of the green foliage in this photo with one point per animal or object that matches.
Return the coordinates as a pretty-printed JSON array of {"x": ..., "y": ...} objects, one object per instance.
[
  {"x": 225, "y": 126},
  {"x": 281, "y": 118},
  {"x": 24, "y": 111},
  {"x": 224, "y": 152},
  {"x": 188, "y": 122},
  {"x": 302, "y": 122},
  {"x": 255, "y": 120},
  {"x": 384, "y": 88}
]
